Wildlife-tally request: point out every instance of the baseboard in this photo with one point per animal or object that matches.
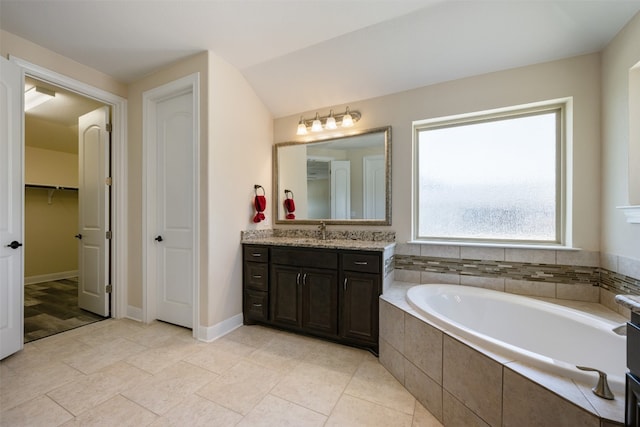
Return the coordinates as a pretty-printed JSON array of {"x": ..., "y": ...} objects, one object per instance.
[
  {"x": 212, "y": 333},
  {"x": 134, "y": 313},
  {"x": 50, "y": 277}
]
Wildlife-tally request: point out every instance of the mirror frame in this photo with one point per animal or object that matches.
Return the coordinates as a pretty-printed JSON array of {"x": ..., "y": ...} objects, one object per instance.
[{"x": 386, "y": 131}]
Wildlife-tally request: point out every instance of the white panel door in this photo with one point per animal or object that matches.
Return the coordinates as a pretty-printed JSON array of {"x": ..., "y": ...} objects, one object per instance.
[
  {"x": 174, "y": 210},
  {"x": 340, "y": 189},
  {"x": 11, "y": 202},
  {"x": 93, "y": 204},
  {"x": 374, "y": 187}
]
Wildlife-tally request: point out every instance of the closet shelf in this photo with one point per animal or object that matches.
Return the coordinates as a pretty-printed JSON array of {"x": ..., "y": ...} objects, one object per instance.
[{"x": 51, "y": 187}]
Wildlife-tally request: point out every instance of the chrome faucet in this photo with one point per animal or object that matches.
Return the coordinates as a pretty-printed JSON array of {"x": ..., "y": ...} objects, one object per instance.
[
  {"x": 323, "y": 230},
  {"x": 602, "y": 388}
]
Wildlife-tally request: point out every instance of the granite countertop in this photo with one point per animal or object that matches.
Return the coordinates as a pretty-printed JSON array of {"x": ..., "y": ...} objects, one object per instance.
[
  {"x": 632, "y": 302},
  {"x": 310, "y": 242},
  {"x": 367, "y": 240}
]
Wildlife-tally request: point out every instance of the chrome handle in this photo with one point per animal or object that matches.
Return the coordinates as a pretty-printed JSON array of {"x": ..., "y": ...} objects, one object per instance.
[
  {"x": 304, "y": 279},
  {"x": 257, "y": 305},
  {"x": 257, "y": 255},
  {"x": 257, "y": 276},
  {"x": 360, "y": 262},
  {"x": 344, "y": 285},
  {"x": 298, "y": 279}
]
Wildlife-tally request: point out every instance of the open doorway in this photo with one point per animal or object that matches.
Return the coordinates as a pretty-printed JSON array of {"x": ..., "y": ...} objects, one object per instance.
[{"x": 52, "y": 220}]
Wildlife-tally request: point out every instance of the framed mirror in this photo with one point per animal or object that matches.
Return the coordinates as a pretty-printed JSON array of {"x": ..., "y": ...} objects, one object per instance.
[{"x": 339, "y": 180}]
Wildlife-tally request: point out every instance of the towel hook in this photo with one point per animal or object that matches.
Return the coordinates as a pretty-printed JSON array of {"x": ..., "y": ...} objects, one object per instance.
[
  {"x": 256, "y": 187},
  {"x": 286, "y": 193}
]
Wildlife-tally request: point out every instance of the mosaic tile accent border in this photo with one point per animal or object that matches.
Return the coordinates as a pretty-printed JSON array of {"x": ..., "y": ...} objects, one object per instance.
[{"x": 550, "y": 273}]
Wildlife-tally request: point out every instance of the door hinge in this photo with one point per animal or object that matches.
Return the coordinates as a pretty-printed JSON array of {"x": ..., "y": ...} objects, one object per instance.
[
  {"x": 109, "y": 234},
  {"x": 109, "y": 127},
  {"x": 109, "y": 288},
  {"x": 108, "y": 181}
]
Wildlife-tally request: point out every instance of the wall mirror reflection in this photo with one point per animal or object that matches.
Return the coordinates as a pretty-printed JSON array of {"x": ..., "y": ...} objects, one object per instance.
[{"x": 340, "y": 180}]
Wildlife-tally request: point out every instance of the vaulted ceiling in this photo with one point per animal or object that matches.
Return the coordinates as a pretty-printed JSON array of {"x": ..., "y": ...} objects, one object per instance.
[{"x": 301, "y": 55}]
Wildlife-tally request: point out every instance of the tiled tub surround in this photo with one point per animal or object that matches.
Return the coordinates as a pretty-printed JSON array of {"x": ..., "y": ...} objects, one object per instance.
[
  {"x": 568, "y": 275},
  {"x": 462, "y": 384}
]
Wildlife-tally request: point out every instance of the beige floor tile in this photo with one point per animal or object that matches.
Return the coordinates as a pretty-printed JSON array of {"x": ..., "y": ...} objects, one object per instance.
[
  {"x": 91, "y": 390},
  {"x": 99, "y": 333},
  {"x": 374, "y": 383},
  {"x": 424, "y": 418},
  {"x": 169, "y": 387},
  {"x": 40, "y": 411},
  {"x": 272, "y": 411},
  {"x": 154, "y": 334},
  {"x": 19, "y": 388},
  {"x": 196, "y": 411},
  {"x": 313, "y": 387},
  {"x": 102, "y": 355},
  {"x": 59, "y": 346},
  {"x": 116, "y": 411},
  {"x": 283, "y": 352},
  {"x": 242, "y": 387},
  {"x": 220, "y": 356},
  {"x": 336, "y": 357},
  {"x": 254, "y": 336},
  {"x": 354, "y": 412},
  {"x": 171, "y": 350}
]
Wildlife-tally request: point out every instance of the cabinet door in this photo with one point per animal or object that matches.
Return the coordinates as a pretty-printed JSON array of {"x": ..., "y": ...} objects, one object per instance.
[
  {"x": 284, "y": 295},
  {"x": 360, "y": 293},
  {"x": 632, "y": 413},
  {"x": 320, "y": 301}
]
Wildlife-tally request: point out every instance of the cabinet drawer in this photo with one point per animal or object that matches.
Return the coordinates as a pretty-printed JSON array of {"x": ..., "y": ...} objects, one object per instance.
[
  {"x": 256, "y": 276},
  {"x": 633, "y": 348},
  {"x": 256, "y": 305},
  {"x": 366, "y": 263},
  {"x": 256, "y": 253},
  {"x": 304, "y": 257}
]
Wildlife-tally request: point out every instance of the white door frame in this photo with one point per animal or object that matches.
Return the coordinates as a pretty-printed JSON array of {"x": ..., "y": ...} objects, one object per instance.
[
  {"x": 150, "y": 98},
  {"x": 119, "y": 242}
]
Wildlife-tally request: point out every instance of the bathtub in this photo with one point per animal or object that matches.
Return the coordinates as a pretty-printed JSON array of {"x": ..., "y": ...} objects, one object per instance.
[{"x": 547, "y": 336}]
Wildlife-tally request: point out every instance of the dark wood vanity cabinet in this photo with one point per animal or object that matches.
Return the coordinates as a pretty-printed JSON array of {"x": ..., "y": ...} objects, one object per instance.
[
  {"x": 632, "y": 413},
  {"x": 322, "y": 292}
]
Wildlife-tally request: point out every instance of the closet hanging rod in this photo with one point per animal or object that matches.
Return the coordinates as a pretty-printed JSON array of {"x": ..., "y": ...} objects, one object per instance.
[{"x": 51, "y": 187}]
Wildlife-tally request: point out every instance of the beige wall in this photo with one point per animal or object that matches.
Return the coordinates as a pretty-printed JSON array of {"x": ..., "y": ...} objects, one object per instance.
[
  {"x": 578, "y": 77},
  {"x": 47, "y": 167},
  {"x": 240, "y": 140},
  {"x": 49, "y": 245},
  {"x": 11, "y": 44},
  {"x": 618, "y": 236}
]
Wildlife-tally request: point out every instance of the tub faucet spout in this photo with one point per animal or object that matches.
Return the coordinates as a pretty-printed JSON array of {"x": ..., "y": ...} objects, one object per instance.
[{"x": 602, "y": 388}]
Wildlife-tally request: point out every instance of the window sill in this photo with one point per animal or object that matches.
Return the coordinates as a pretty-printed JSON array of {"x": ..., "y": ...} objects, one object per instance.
[
  {"x": 494, "y": 245},
  {"x": 632, "y": 213}
]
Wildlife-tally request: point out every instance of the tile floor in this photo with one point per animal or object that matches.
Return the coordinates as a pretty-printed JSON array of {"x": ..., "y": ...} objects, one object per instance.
[
  {"x": 52, "y": 307},
  {"x": 120, "y": 372}
]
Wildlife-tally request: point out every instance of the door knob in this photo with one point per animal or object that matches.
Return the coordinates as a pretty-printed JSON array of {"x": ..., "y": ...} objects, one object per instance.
[
  {"x": 78, "y": 236},
  {"x": 14, "y": 245},
  {"x": 158, "y": 239}
]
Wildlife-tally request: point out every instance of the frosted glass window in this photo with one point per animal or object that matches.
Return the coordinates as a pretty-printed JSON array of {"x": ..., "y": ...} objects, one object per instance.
[{"x": 495, "y": 179}]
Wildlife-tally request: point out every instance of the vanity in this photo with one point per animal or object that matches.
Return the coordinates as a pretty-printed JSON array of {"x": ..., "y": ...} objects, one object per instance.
[
  {"x": 323, "y": 288},
  {"x": 632, "y": 406}
]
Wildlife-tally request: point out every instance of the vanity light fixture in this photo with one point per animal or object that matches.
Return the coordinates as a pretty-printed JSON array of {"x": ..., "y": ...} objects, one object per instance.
[
  {"x": 36, "y": 96},
  {"x": 346, "y": 119}
]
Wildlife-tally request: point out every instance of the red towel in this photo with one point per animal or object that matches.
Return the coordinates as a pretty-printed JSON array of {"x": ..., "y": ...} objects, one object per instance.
[
  {"x": 290, "y": 206},
  {"x": 260, "y": 204}
]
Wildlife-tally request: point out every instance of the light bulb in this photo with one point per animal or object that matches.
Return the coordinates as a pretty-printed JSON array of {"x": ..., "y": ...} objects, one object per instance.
[
  {"x": 317, "y": 124},
  {"x": 302, "y": 128},
  {"x": 347, "y": 120},
  {"x": 331, "y": 121}
]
